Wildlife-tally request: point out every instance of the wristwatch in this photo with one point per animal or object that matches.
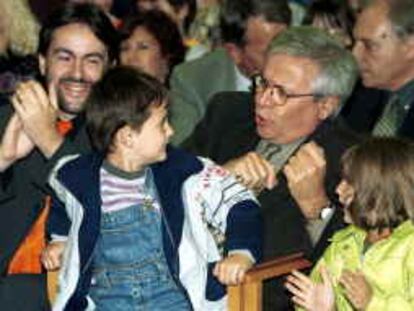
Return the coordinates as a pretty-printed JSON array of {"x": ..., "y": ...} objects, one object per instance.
[{"x": 326, "y": 211}]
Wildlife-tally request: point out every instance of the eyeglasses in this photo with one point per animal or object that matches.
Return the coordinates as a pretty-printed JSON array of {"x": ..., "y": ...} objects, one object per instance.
[{"x": 277, "y": 92}]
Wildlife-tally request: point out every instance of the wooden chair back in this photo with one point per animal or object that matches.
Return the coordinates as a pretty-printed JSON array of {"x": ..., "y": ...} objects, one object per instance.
[
  {"x": 248, "y": 295},
  {"x": 52, "y": 284}
]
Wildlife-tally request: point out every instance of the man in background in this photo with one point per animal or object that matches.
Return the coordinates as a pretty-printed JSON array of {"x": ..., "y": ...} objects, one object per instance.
[{"x": 384, "y": 49}]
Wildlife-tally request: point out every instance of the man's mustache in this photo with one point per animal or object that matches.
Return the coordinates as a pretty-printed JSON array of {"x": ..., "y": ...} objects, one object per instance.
[{"x": 75, "y": 80}]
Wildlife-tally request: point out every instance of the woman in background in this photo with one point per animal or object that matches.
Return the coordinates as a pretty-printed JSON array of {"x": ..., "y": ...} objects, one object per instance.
[
  {"x": 151, "y": 41},
  {"x": 189, "y": 18}
]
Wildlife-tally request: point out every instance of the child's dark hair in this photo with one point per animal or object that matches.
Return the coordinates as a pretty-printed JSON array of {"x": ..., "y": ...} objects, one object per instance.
[
  {"x": 122, "y": 97},
  {"x": 381, "y": 171}
]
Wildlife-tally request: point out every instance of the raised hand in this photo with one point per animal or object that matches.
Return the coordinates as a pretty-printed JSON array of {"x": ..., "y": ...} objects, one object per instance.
[
  {"x": 305, "y": 173},
  {"x": 253, "y": 171},
  {"x": 38, "y": 113},
  {"x": 15, "y": 143},
  {"x": 310, "y": 295}
]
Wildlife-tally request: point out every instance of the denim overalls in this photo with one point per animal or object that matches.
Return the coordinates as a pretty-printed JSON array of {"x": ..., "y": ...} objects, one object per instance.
[{"x": 130, "y": 269}]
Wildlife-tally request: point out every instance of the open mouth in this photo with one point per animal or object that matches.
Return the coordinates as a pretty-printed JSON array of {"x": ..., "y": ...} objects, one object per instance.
[
  {"x": 260, "y": 121},
  {"x": 75, "y": 89}
]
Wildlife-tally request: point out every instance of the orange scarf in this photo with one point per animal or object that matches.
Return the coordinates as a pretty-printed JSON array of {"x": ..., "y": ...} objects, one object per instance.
[{"x": 27, "y": 257}]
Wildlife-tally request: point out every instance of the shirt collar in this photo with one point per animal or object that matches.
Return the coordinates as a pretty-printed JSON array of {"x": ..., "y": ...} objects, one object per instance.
[
  {"x": 243, "y": 84},
  {"x": 113, "y": 170},
  {"x": 405, "y": 94}
]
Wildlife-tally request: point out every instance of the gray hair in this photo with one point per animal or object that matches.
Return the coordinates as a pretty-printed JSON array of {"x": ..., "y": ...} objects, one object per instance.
[{"x": 338, "y": 68}]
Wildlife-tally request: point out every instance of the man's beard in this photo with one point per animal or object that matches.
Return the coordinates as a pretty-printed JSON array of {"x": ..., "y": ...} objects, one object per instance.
[{"x": 66, "y": 106}]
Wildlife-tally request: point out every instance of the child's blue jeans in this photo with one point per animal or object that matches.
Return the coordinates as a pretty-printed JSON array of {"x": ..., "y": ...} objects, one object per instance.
[{"x": 130, "y": 269}]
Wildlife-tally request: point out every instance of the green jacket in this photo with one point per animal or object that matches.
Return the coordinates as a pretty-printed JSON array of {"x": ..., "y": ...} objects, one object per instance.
[
  {"x": 388, "y": 266},
  {"x": 192, "y": 85}
]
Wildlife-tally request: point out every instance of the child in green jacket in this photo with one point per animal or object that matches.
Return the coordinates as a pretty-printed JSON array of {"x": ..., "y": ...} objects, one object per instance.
[{"x": 370, "y": 264}]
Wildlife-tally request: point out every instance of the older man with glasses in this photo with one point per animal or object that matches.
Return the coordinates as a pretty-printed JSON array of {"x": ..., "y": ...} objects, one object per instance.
[{"x": 287, "y": 146}]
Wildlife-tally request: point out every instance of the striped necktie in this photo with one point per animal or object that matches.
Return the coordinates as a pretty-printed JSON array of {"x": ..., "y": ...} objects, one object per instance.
[{"x": 391, "y": 118}]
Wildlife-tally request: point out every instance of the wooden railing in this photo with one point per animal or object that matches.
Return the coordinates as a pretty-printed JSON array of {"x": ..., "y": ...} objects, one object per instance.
[{"x": 248, "y": 295}]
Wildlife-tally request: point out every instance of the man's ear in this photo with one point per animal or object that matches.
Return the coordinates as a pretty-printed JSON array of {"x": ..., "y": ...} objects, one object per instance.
[
  {"x": 234, "y": 52},
  {"x": 328, "y": 106},
  {"x": 42, "y": 64}
]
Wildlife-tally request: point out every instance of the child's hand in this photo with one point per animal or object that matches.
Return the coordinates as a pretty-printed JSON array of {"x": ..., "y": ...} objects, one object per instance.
[
  {"x": 231, "y": 270},
  {"x": 357, "y": 289},
  {"x": 52, "y": 255},
  {"x": 310, "y": 295}
]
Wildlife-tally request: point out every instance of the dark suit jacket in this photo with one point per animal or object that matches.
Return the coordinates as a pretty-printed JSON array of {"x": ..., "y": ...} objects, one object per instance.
[
  {"x": 23, "y": 187},
  {"x": 228, "y": 131},
  {"x": 365, "y": 106}
]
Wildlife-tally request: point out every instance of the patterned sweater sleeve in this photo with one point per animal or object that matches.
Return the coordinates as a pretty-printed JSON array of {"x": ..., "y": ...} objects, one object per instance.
[{"x": 229, "y": 210}]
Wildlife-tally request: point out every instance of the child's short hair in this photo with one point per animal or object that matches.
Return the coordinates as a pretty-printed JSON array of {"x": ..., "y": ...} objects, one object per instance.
[
  {"x": 122, "y": 97},
  {"x": 381, "y": 171}
]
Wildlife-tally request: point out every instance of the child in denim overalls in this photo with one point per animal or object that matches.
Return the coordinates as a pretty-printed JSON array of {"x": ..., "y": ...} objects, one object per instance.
[{"x": 139, "y": 225}]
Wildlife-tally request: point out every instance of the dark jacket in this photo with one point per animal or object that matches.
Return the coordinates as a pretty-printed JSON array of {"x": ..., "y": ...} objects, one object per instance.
[
  {"x": 81, "y": 178},
  {"x": 228, "y": 131},
  {"x": 23, "y": 187},
  {"x": 365, "y": 107}
]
